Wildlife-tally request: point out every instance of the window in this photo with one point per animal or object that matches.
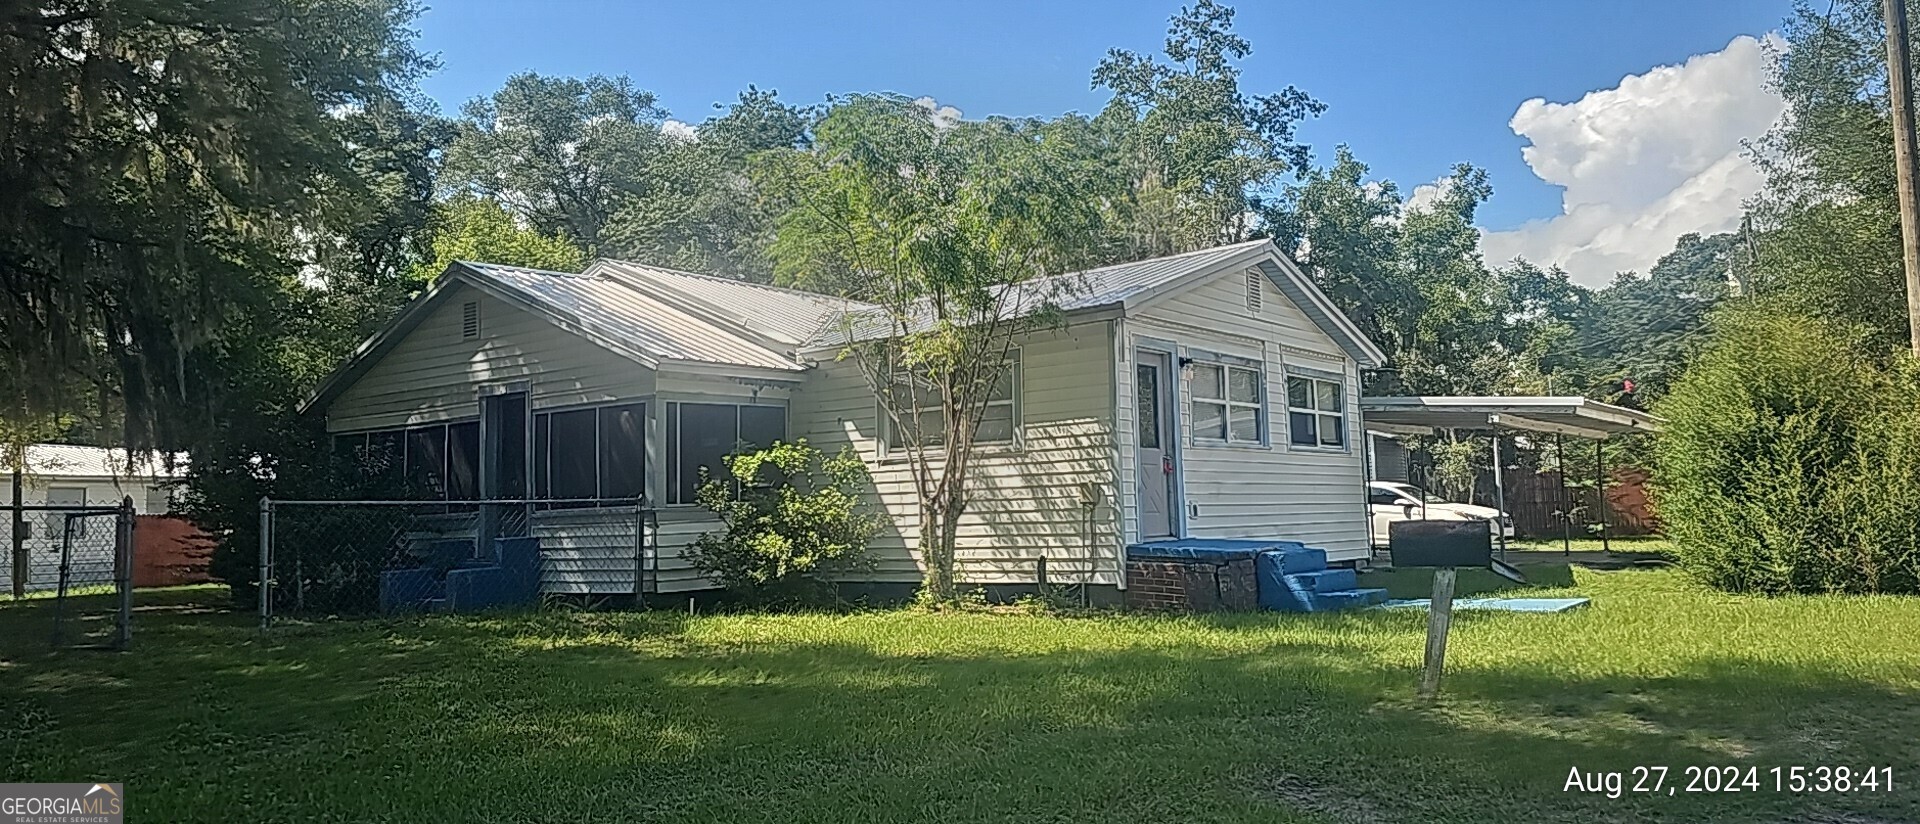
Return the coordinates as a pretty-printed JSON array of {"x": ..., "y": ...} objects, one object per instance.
[
  {"x": 999, "y": 421},
  {"x": 68, "y": 497},
  {"x": 1383, "y": 497},
  {"x": 1146, "y": 389},
  {"x": 590, "y": 453},
  {"x": 470, "y": 319},
  {"x": 699, "y": 435},
  {"x": 1316, "y": 412},
  {"x": 1227, "y": 403}
]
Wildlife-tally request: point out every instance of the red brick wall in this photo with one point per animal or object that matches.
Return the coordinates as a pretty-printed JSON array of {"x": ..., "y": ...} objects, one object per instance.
[
  {"x": 1191, "y": 586},
  {"x": 169, "y": 551}
]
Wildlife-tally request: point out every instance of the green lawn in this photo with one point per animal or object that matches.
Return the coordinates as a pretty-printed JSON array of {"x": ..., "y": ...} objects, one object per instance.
[{"x": 901, "y": 716}]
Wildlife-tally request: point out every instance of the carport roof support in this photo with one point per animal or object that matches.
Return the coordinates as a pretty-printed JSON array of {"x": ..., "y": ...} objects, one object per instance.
[{"x": 1570, "y": 415}]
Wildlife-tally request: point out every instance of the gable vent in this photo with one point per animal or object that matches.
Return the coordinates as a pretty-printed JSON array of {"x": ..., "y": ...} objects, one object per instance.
[
  {"x": 1253, "y": 290},
  {"x": 470, "y": 319}
]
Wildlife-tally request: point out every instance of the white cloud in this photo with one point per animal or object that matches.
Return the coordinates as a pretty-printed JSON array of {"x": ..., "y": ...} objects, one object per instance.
[
  {"x": 679, "y": 130},
  {"x": 943, "y": 116},
  {"x": 1427, "y": 194},
  {"x": 1653, "y": 158}
]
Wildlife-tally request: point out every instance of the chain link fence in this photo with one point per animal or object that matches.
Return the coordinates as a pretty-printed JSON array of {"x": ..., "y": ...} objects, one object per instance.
[
  {"x": 78, "y": 560},
  {"x": 372, "y": 557}
]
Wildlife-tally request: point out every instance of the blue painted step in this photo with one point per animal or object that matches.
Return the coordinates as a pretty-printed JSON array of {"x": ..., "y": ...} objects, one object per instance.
[
  {"x": 1326, "y": 580},
  {"x": 1348, "y": 599}
]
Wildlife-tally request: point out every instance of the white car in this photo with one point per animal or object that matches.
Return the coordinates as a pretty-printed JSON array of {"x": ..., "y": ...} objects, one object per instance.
[{"x": 1389, "y": 501}]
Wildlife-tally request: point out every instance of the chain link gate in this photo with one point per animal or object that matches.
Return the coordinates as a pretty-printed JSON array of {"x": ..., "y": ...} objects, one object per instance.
[
  {"x": 79, "y": 560},
  {"x": 371, "y": 557}
]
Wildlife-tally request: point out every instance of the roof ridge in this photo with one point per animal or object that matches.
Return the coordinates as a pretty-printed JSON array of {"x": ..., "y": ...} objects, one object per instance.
[
  {"x": 553, "y": 272},
  {"x": 1176, "y": 255},
  {"x": 768, "y": 287}
]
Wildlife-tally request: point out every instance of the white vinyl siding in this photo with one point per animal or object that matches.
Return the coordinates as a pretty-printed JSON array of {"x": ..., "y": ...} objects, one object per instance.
[
  {"x": 1026, "y": 501},
  {"x": 434, "y": 372},
  {"x": 1314, "y": 496}
]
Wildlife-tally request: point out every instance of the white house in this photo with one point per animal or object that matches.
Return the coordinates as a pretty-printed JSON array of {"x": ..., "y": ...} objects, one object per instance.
[
  {"x": 1208, "y": 394},
  {"x": 59, "y": 480}
]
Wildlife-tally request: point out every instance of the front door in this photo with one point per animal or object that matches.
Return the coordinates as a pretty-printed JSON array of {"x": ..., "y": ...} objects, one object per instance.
[{"x": 1154, "y": 444}]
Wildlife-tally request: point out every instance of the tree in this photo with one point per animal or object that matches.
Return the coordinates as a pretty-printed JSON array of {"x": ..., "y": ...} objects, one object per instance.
[
  {"x": 561, "y": 153},
  {"x": 477, "y": 229},
  {"x": 950, "y": 229},
  {"x": 701, "y": 210},
  {"x": 1197, "y": 151},
  {"x": 1791, "y": 459},
  {"x": 1826, "y": 230},
  {"x": 165, "y": 159},
  {"x": 1346, "y": 231}
]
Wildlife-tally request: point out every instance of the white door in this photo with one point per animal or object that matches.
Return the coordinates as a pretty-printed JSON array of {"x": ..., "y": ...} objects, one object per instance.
[{"x": 1154, "y": 447}]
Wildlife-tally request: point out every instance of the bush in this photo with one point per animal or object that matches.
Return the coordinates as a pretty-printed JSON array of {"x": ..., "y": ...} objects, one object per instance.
[
  {"x": 794, "y": 519},
  {"x": 1791, "y": 461}
]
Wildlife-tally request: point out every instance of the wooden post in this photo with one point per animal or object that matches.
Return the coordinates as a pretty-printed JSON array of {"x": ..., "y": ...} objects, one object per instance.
[
  {"x": 1439, "y": 619},
  {"x": 1900, "y": 90},
  {"x": 123, "y": 572}
]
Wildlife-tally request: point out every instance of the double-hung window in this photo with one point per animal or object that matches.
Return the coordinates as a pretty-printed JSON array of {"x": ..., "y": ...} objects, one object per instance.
[
  {"x": 921, "y": 415},
  {"x": 1227, "y": 403},
  {"x": 1316, "y": 412}
]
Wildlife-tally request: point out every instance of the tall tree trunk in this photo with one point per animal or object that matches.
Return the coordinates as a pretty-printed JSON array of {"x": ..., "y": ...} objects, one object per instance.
[{"x": 939, "y": 528}]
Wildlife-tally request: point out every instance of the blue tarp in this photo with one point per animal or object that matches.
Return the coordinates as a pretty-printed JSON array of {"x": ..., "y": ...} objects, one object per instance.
[
  {"x": 1214, "y": 550},
  {"x": 1502, "y": 604}
]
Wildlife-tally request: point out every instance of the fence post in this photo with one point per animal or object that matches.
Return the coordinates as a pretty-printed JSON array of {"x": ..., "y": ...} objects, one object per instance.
[
  {"x": 123, "y": 572},
  {"x": 266, "y": 558}
]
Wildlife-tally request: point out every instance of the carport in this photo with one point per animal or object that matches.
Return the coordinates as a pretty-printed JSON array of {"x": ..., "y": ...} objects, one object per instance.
[{"x": 1556, "y": 416}]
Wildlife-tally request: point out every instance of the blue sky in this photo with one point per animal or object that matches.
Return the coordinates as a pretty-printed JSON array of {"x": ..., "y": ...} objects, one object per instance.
[{"x": 1414, "y": 87}]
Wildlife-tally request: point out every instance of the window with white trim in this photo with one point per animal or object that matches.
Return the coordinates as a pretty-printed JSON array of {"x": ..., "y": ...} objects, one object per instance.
[
  {"x": 1316, "y": 412},
  {"x": 1227, "y": 403},
  {"x": 999, "y": 421}
]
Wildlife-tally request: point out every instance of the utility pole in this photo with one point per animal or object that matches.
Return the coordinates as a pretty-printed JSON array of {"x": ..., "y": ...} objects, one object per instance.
[{"x": 1900, "y": 88}]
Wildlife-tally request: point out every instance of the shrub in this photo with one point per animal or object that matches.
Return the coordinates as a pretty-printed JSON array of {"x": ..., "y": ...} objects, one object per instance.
[
  {"x": 794, "y": 518},
  {"x": 1791, "y": 461}
]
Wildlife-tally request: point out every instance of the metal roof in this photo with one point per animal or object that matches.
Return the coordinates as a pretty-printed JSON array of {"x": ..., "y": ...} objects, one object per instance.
[
  {"x": 614, "y": 308},
  {"x": 1563, "y": 415},
  {"x": 786, "y": 316},
  {"x": 1128, "y": 286},
  {"x": 1128, "y": 282},
  {"x": 66, "y": 460}
]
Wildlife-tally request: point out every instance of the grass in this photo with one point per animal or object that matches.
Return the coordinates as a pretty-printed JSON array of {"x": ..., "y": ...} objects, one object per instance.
[{"x": 902, "y": 716}]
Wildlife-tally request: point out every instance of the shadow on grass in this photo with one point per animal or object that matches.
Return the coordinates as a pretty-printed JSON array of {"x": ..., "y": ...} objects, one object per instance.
[{"x": 888, "y": 717}]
